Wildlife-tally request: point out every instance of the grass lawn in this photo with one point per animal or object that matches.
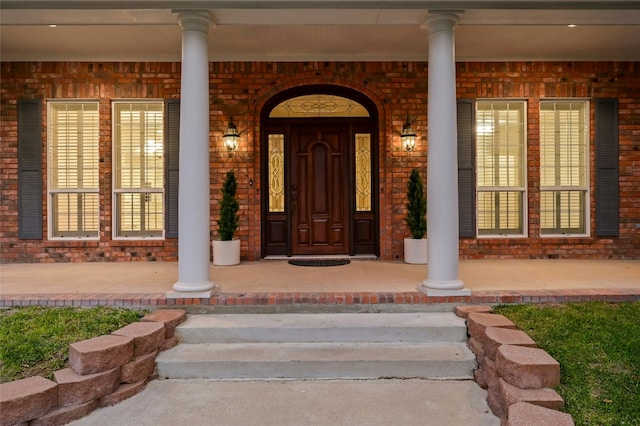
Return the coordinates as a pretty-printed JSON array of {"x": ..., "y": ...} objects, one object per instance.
[
  {"x": 34, "y": 341},
  {"x": 598, "y": 348}
]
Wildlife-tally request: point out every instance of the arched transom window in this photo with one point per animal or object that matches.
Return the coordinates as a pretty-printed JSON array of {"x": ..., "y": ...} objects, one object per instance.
[{"x": 318, "y": 106}]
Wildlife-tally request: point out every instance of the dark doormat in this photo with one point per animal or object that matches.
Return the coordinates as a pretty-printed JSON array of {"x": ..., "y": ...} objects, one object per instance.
[{"x": 319, "y": 262}]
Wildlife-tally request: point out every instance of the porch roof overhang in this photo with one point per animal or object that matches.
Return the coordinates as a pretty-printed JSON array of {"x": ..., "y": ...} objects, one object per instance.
[{"x": 325, "y": 30}]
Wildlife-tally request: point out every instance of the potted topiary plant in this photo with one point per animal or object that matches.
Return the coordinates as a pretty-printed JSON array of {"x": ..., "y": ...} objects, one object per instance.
[
  {"x": 226, "y": 249},
  {"x": 415, "y": 247}
]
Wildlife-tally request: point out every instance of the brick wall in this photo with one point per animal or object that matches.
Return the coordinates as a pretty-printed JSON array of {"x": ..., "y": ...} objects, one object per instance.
[{"x": 398, "y": 90}]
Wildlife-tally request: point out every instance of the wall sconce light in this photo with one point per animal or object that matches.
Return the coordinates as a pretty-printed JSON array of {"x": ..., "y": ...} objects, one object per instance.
[
  {"x": 408, "y": 136},
  {"x": 231, "y": 136}
]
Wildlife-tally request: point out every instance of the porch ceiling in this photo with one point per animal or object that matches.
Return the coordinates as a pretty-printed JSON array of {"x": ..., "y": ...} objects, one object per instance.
[{"x": 356, "y": 30}]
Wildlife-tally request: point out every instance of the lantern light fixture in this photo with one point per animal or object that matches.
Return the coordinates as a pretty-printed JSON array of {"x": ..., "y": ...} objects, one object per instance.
[
  {"x": 231, "y": 137},
  {"x": 408, "y": 136}
]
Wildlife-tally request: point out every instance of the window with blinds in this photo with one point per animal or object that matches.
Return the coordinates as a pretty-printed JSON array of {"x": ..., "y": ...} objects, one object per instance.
[
  {"x": 564, "y": 147},
  {"x": 73, "y": 161},
  {"x": 500, "y": 171},
  {"x": 138, "y": 176}
]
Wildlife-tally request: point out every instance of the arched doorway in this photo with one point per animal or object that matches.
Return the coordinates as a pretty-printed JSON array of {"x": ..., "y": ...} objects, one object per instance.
[{"x": 319, "y": 149}]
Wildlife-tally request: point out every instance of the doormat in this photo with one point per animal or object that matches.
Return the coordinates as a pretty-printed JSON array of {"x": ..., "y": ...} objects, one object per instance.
[{"x": 319, "y": 262}]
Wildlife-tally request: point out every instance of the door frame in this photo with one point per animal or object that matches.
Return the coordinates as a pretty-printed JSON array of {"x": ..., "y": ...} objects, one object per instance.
[{"x": 283, "y": 126}]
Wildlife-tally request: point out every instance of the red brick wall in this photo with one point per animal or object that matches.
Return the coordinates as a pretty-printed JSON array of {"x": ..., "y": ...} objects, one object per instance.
[{"x": 398, "y": 89}]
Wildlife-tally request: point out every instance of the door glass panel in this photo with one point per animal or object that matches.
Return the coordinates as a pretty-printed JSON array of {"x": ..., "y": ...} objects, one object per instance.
[
  {"x": 276, "y": 173},
  {"x": 363, "y": 172}
]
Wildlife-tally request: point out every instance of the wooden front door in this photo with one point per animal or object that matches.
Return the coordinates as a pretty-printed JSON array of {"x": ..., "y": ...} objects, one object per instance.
[{"x": 320, "y": 190}]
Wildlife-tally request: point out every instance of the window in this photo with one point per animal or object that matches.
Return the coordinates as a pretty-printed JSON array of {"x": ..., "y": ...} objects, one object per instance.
[
  {"x": 73, "y": 162},
  {"x": 318, "y": 106},
  {"x": 276, "y": 173},
  {"x": 363, "y": 172},
  {"x": 500, "y": 177},
  {"x": 138, "y": 146},
  {"x": 563, "y": 167}
]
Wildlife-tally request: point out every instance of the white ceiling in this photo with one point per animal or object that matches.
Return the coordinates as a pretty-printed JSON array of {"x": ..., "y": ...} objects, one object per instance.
[{"x": 328, "y": 30}]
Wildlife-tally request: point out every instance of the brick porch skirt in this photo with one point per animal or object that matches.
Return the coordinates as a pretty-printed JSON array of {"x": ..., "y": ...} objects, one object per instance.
[{"x": 346, "y": 299}]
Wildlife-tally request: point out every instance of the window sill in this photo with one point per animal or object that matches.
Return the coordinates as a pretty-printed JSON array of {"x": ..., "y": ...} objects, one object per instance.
[
  {"x": 564, "y": 236},
  {"x": 137, "y": 242},
  {"x": 72, "y": 242},
  {"x": 502, "y": 237}
]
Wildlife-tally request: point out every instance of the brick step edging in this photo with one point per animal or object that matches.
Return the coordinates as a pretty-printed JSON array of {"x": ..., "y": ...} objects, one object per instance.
[
  {"x": 519, "y": 377},
  {"x": 102, "y": 371}
]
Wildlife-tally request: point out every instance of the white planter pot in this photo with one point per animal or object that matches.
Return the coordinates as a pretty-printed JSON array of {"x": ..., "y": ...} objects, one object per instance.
[
  {"x": 415, "y": 251},
  {"x": 226, "y": 253}
]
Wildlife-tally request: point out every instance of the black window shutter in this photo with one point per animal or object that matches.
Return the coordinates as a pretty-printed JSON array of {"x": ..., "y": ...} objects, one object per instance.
[
  {"x": 607, "y": 180},
  {"x": 172, "y": 162},
  {"x": 30, "y": 169},
  {"x": 466, "y": 168}
]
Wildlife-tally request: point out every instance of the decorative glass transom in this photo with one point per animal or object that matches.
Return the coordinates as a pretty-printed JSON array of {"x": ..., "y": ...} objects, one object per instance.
[{"x": 318, "y": 106}]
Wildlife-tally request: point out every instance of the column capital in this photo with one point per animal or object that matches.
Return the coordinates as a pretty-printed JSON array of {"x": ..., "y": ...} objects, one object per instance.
[
  {"x": 194, "y": 20},
  {"x": 441, "y": 20}
]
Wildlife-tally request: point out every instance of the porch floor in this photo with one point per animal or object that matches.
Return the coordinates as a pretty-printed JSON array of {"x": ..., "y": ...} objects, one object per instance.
[{"x": 363, "y": 284}]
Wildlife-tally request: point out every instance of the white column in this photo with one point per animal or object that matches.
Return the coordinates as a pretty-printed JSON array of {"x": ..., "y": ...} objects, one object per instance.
[
  {"x": 442, "y": 165},
  {"x": 193, "y": 197}
]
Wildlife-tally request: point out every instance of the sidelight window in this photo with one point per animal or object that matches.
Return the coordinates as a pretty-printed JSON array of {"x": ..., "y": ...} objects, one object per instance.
[
  {"x": 276, "y": 173},
  {"x": 363, "y": 172}
]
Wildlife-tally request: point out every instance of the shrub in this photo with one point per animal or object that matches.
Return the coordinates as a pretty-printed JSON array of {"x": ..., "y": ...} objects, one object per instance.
[
  {"x": 416, "y": 206},
  {"x": 228, "y": 222}
]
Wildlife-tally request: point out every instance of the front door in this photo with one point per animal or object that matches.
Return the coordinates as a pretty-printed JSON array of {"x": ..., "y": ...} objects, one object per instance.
[
  {"x": 319, "y": 190},
  {"x": 319, "y": 176}
]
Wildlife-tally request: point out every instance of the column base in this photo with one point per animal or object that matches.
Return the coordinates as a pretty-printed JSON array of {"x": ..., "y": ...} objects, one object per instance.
[
  {"x": 444, "y": 288},
  {"x": 186, "y": 291},
  {"x": 439, "y": 293}
]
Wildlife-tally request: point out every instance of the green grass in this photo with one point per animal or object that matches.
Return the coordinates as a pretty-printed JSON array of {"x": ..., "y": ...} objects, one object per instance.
[
  {"x": 35, "y": 340},
  {"x": 598, "y": 347}
]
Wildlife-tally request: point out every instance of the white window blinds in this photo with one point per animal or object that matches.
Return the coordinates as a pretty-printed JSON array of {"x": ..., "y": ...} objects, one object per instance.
[
  {"x": 73, "y": 169},
  {"x": 500, "y": 157},
  {"x": 563, "y": 166},
  {"x": 138, "y": 137}
]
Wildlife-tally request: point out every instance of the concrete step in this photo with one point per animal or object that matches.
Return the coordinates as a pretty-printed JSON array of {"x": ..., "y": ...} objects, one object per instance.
[
  {"x": 317, "y": 360},
  {"x": 334, "y": 327}
]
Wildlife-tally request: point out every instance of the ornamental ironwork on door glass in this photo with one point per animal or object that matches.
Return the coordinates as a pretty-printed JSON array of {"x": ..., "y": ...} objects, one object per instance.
[
  {"x": 318, "y": 106},
  {"x": 363, "y": 172},
  {"x": 276, "y": 173}
]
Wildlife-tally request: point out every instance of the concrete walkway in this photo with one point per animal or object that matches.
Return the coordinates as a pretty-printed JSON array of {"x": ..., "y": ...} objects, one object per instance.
[{"x": 301, "y": 403}]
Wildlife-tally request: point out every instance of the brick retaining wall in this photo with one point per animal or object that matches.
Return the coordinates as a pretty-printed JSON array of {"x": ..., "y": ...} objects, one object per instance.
[
  {"x": 102, "y": 371},
  {"x": 519, "y": 376}
]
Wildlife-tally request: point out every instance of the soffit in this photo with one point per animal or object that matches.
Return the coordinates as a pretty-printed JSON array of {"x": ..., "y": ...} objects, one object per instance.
[{"x": 319, "y": 31}]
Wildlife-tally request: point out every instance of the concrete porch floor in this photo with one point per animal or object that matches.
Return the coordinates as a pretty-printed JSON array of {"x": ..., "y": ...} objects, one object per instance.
[{"x": 277, "y": 282}]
